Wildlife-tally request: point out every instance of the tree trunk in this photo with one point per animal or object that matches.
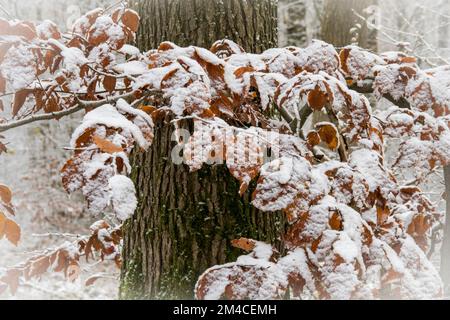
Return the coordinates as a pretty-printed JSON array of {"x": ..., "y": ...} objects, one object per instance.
[
  {"x": 445, "y": 249},
  {"x": 250, "y": 23},
  {"x": 339, "y": 24},
  {"x": 292, "y": 28},
  {"x": 185, "y": 221}
]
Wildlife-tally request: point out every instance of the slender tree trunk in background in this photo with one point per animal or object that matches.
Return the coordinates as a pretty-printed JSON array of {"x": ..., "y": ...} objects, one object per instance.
[
  {"x": 445, "y": 249},
  {"x": 185, "y": 221},
  {"x": 443, "y": 42},
  {"x": 292, "y": 28},
  {"x": 339, "y": 23}
]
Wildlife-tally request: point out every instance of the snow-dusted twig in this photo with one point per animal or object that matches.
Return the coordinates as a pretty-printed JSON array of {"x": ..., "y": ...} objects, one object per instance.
[{"x": 81, "y": 105}]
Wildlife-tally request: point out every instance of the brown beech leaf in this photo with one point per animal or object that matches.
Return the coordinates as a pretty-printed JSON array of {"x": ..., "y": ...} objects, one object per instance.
[
  {"x": 91, "y": 280},
  {"x": 328, "y": 134},
  {"x": 239, "y": 72},
  {"x": 244, "y": 244},
  {"x": 335, "y": 221},
  {"x": 408, "y": 60},
  {"x": 12, "y": 279},
  {"x": 73, "y": 271},
  {"x": 2, "y": 224},
  {"x": 382, "y": 214},
  {"x": 2, "y": 84},
  {"x": 23, "y": 29},
  {"x": 12, "y": 232},
  {"x": 106, "y": 145},
  {"x": 131, "y": 19},
  {"x": 115, "y": 16},
  {"x": 61, "y": 261},
  {"x": 109, "y": 83},
  {"x": 317, "y": 99},
  {"x": 147, "y": 109},
  {"x": 19, "y": 99},
  {"x": 3, "y": 148},
  {"x": 39, "y": 266},
  {"x": 313, "y": 138},
  {"x": 51, "y": 105},
  {"x": 4, "y": 25},
  {"x": 343, "y": 56},
  {"x": 5, "y": 194}
]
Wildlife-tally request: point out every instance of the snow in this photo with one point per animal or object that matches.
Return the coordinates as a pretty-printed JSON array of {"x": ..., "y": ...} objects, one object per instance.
[
  {"x": 209, "y": 57},
  {"x": 320, "y": 56},
  {"x": 282, "y": 61},
  {"x": 368, "y": 163},
  {"x": 82, "y": 24},
  {"x": 296, "y": 261},
  {"x": 400, "y": 119},
  {"x": 123, "y": 106},
  {"x": 132, "y": 68},
  {"x": 109, "y": 116},
  {"x": 346, "y": 248},
  {"x": 221, "y": 281},
  {"x": 104, "y": 24},
  {"x": 123, "y": 196},
  {"x": 283, "y": 178},
  {"x": 422, "y": 280},
  {"x": 360, "y": 63},
  {"x": 228, "y": 47},
  {"x": 267, "y": 84},
  {"x": 45, "y": 29},
  {"x": 130, "y": 50},
  {"x": 72, "y": 56},
  {"x": 97, "y": 163},
  {"x": 259, "y": 256},
  {"x": 388, "y": 80},
  {"x": 318, "y": 217},
  {"x": 19, "y": 67}
]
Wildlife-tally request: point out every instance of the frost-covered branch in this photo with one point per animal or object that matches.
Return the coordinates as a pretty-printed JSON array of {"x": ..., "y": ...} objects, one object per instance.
[{"x": 81, "y": 105}]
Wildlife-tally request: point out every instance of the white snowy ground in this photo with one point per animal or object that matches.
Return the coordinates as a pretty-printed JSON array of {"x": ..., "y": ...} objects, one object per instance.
[{"x": 32, "y": 172}]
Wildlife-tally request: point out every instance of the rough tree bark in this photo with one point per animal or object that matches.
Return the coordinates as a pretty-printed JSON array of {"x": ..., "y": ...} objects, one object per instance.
[
  {"x": 250, "y": 23},
  {"x": 185, "y": 221}
]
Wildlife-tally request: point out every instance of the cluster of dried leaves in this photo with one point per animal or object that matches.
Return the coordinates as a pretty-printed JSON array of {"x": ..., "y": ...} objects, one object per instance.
[
  {"x": 73, "y": 65},
  {"x": 421, "y": 118},
  {"x": 104, "y": 242},
  {"x": 8, "y": 227}
]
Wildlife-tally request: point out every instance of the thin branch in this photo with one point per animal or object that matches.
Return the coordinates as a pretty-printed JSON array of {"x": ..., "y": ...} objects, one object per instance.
[
  {"x": 305, "y": 112},
  {"x": 366, "y": 87},
  {"x": 81, "y": 105},
  {"x": 6, "y": 12},
  {"x": 342, "y": 143}
]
